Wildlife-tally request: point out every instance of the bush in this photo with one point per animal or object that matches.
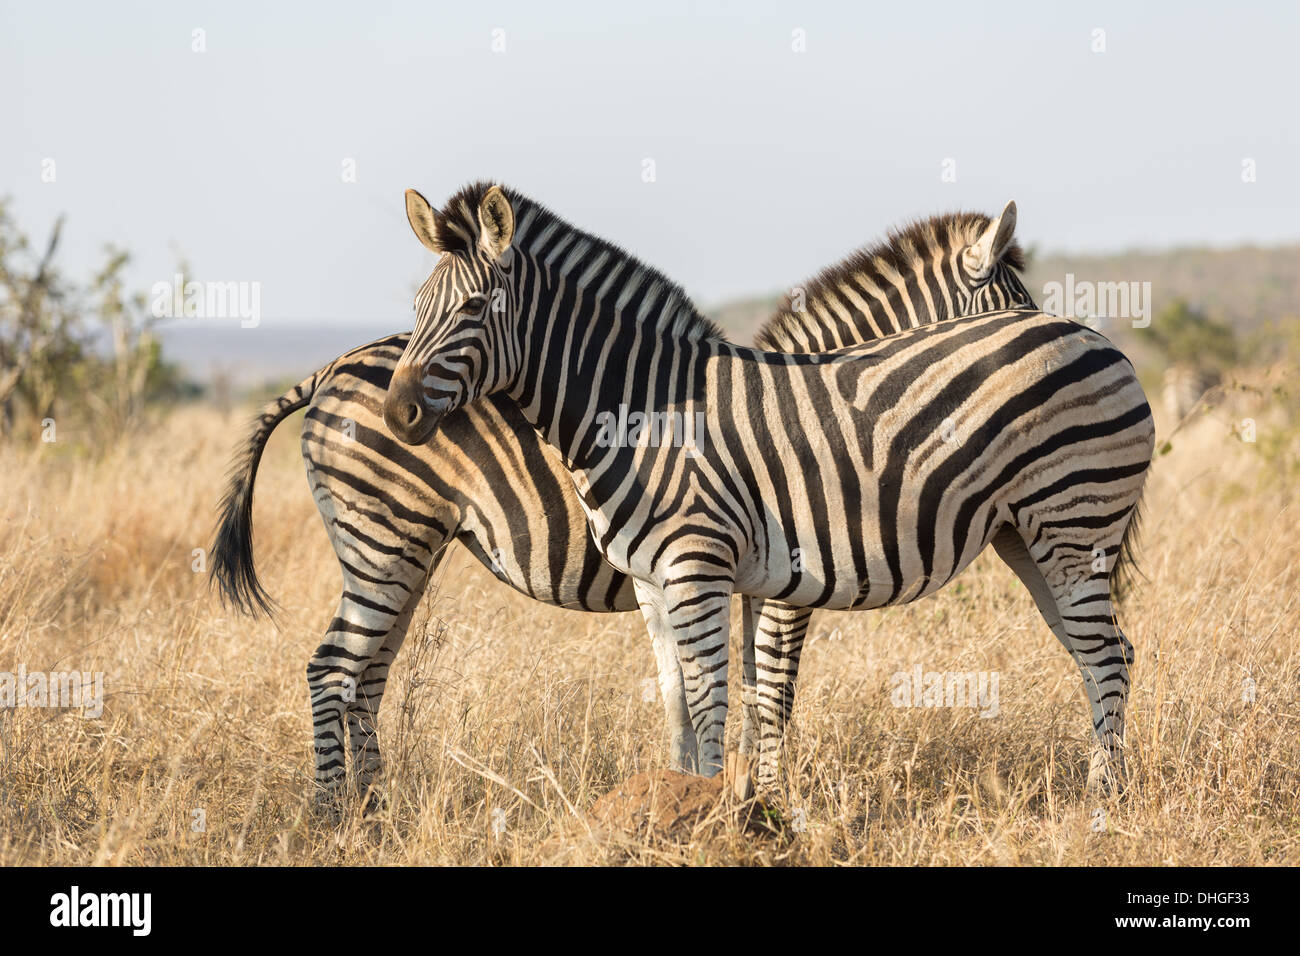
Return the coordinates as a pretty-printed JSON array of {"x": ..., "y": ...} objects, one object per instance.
[{"x": 84, "y": 350}]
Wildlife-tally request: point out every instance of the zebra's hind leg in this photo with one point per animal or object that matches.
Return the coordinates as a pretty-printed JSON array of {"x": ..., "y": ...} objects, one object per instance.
[
  {"x": 700, "y": 617},
  {"x": 371, "y": 619},
  {"x": 683, "y": 748},
  {"x": 1074, "y": 599},
  {"x": 778, "y": 644},
  {"x": 363, "y": 712}
]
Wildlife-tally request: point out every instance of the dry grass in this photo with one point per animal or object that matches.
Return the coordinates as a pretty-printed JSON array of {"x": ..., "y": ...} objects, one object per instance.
[{"x": 498, "y": 703}]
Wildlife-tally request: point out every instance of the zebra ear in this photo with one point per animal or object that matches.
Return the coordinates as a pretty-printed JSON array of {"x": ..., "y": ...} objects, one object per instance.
[
  {"x": 984, "y": 253},
  {"x": 423, "y": 221},
  {"x": 496, "y": 220}
]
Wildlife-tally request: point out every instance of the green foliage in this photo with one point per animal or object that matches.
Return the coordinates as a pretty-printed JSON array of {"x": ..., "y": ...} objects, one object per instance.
[
  {"x": 82, "y": 350},
  {"x": 1188, "y": 336},
  {"x": 1277, "y": 340}
]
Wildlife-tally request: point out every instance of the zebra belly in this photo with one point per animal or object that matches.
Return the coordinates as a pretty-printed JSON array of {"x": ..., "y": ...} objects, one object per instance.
[
  {"x": 860, "y": 586},
  {"x": 569, "y": 572}
]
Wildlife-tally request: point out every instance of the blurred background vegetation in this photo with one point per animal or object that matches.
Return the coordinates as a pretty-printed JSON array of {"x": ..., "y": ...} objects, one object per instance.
[{"x": 78, "y": 348}]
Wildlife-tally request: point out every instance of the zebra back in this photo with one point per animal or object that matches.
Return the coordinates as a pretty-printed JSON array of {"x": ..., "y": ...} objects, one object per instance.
[{"x": 927, "y": 271}]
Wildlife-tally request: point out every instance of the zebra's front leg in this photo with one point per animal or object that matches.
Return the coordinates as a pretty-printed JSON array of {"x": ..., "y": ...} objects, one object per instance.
[
  {"x": 681, "y": 734},
  {"x": 778, "y": 644},
  {"x": 751, "y": 612},
  {"x": 699, "y": 614}
]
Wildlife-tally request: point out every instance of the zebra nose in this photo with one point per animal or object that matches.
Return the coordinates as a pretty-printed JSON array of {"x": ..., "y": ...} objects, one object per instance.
[
  {"x": 404, "y": 410},
  {"x": 412, "y": 417}
]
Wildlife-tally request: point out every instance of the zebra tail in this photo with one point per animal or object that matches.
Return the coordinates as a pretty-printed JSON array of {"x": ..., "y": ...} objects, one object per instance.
[
  {"x": 232, "y": 571},
  {"x": 1126, "y": 571}
]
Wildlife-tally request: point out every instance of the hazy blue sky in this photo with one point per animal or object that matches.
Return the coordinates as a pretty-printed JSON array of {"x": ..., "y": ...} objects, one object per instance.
[{"x": 769, "y": 163}]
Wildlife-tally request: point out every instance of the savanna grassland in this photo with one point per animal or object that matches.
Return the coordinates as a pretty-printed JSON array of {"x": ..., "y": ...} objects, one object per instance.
[{"x": 202, "y": 753}]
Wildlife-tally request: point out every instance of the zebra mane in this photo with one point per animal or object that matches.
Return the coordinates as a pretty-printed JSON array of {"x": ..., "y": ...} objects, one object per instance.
[
  {"x": 458, "y": 230},
  {"x": 895, "y": 254}
]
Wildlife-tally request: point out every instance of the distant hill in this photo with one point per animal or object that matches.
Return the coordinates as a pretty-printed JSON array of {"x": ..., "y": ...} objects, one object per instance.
[
  {"x": 260, "y": 359},
  {"x": 1245, "y": 286},
  {"x": 740, "y": 318}
]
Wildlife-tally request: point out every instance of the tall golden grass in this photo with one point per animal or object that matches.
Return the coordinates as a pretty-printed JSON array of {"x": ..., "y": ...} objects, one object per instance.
[{"x": 202, "y": 753}]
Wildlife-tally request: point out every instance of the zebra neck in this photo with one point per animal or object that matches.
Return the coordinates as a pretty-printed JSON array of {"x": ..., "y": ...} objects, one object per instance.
[{"x": 595, "y": 353}]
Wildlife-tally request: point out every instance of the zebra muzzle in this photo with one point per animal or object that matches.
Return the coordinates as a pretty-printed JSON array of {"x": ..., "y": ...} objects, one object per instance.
[{"x": 408, "y": 414}]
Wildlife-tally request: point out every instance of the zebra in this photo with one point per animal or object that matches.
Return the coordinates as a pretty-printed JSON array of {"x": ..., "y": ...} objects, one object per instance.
[
  {"x": 488, "y": 481},
  {"x": 858, "y": 478}
]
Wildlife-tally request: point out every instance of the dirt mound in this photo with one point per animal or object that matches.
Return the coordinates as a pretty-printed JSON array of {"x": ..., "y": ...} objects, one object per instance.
[{"x": 675, "y": 804}]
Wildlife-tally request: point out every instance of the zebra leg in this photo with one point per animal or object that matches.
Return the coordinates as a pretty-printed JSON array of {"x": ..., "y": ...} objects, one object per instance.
[
  {"x": 778, "y": 643},
  {"x": 363, "y": 713},
  {"x": 751, "y": 612},
  {"x": 681, "y": 734},
  {"x": 1078, "y": 609},
  {"x": 700, "y": 620},
  {"x": 369, "y": 620}
]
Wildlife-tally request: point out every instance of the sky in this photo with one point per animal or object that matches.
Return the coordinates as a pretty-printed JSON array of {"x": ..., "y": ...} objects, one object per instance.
[{"x": 739, "y": 147}]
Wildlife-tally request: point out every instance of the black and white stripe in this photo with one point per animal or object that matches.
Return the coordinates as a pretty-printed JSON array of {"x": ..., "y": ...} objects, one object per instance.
[{"x": 858, "y": 478}]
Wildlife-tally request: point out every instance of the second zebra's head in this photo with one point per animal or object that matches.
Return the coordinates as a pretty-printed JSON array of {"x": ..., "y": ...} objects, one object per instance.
[
  {"x": 991, "y": 267},
  {"x": 464, "y": 311}
]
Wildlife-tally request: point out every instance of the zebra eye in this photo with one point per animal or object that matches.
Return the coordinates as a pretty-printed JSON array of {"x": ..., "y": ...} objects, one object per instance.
[{"x": 473, "y": 306}]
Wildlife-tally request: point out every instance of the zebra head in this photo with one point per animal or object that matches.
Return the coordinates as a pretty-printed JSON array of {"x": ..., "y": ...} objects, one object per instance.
[
  {"x": 462, "y": 313},
  {"x": 930, "y": 270},
  {"x": 991, "y": 266}
]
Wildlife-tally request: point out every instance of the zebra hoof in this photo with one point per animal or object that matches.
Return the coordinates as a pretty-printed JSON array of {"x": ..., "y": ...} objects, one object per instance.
[{"x": 684, "y": 756}]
